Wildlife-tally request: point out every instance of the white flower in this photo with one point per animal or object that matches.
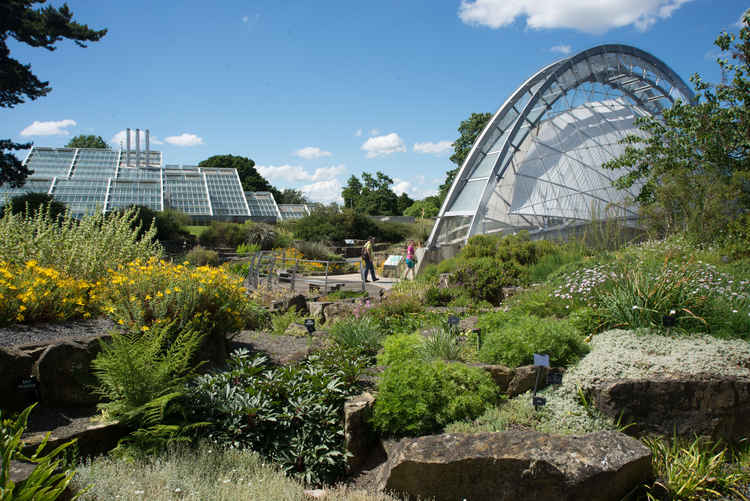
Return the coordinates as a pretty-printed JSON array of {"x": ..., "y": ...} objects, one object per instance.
[
  {"x": 635, "y": 306},
  {"x": 672, "y": 312}
]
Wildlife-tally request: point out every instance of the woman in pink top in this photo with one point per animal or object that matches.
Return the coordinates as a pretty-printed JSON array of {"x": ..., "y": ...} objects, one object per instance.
[{"x": 410, "y": 260}]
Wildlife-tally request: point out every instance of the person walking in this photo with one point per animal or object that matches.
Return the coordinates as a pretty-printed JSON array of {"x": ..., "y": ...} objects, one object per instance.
[
  {"x": 410, "y": 261},
  {"x": 367, "y": 256}
]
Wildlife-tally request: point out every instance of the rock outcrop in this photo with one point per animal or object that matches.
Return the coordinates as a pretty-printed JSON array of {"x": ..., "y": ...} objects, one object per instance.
[
  {"x": 687, "y": 405},
  {"x": 517, "y": 466},
  {"x": 359, "y": 436}
]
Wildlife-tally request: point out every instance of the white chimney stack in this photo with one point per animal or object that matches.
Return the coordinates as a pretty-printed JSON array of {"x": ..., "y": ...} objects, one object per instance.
[
  {"x": 137, "y": 147},
  {"x": 127, "y": 149},
  {"x": 148, "y": 157}
]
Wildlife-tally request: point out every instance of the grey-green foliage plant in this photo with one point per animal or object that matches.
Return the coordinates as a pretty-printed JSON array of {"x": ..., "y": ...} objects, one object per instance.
[
  {"x": 694, "y": 161},
  {"x": 139, "y": 372},
  {"x": 84, "y": 248},
  {"x": 292, "y": 415},
  {"x": 281, "y": 321},
  {"x": 49, "y": 478},
  {"x": 442, "y": 344}
]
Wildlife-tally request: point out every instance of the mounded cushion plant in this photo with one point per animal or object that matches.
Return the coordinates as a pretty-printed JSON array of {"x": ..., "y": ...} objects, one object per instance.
[{"x": 416, "y": 397}]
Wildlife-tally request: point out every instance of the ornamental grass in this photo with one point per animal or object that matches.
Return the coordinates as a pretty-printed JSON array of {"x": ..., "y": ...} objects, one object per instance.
[
  {"x": 205, "y": 298},
  {"x": 33, "y": 293}
]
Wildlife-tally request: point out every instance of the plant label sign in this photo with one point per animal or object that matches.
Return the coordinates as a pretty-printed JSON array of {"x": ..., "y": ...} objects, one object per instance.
[
  {"x": 28, "y": 384},
  {"x": 554, "y": 378},
  {"x": 539, "y": 402},
  {"x": 541, "y": 360},
  {"x": 453, "y": 320},
  {"x": 310, "y": 324}
]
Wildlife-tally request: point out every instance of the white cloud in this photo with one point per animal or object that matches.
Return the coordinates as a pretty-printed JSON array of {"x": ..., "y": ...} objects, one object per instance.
[
  {"x": 52, "y": 128},
  {"x": 184, "y": 139},
  {"x": 245, "y": 19},
  {"x": 323, "y": 191},
  {"x": 438, "y": 148},
  {"x": 590, "y": 16},
  {"x": 416, "y": 189},
  {"x": 383, "y": 145},
  {"x": 358, "y": 133},
  {"x": 561, "y": 49},
  {"x": 296, "y": 173},
  {"x": 120, "y": 139},
  {"x": 374, "y": 132},
  {"x": 311, "y": 152}
]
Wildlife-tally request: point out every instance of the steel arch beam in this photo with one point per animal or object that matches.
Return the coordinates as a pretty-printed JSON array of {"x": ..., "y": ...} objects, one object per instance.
[{"x": 625, "y": 81}]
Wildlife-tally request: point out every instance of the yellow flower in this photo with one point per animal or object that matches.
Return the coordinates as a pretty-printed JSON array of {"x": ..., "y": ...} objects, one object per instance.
[
  {"x": 19, "y": 317},
  {"x": 121, "y": 321},
  {"x": 86, "y": 315},
  {"x": 22, "y": 308},
  {"x": 144, "y": 328}
]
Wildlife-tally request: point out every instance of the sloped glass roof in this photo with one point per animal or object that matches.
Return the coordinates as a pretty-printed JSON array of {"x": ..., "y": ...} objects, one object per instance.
[{"x": 538, "y": 162}]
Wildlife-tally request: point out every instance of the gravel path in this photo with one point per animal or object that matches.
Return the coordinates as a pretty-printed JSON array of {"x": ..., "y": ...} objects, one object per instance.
[{"x": 21, "y": 334}]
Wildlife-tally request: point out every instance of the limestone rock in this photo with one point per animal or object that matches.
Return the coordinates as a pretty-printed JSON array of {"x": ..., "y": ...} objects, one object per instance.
[
  {"x": 340, "y": 309},
  {"x": 298, "y": 302},
  {"x": 501, "y": 375},
  {"x": 318, "y": 309},
  {"x": 517, "y": 466},
  {"x": 702, "y": 405},
  {"x": 297, "y": 330},
  {"x": 15, "y": 365},
  {"x": 64, "y": 374},
  {"x": 524, "y": 379},
  {"x": 359, "y": 436}
]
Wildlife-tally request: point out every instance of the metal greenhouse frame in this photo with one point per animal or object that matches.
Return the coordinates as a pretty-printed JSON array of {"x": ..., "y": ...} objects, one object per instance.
[{"x": 537, "y": 163}]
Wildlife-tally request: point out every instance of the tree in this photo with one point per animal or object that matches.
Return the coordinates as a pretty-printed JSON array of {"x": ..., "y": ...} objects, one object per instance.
[
  {"x": 249, "y": 177},
  {"x": 377, "y": 197},
  {"x": 428, "y": 208},
  {"x": 469, "y": 130},
  {"x": 292, "y": 196},
  {"x": 36, "y": 28},
  {"x": 404, "y": 202},
  {"x": 352, "y": 192},
  {"x": 693, "y": 165},
  {"x": 83, "y": 141}
]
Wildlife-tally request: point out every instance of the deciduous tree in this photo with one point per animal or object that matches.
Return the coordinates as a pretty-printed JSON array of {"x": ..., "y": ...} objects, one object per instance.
[{"x": 83, "y": 141}]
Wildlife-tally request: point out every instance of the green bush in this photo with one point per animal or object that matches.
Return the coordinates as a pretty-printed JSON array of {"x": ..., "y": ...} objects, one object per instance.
[
  {"x": 400, "y": 348},
  {"x": 435, "y": 296},
  {"x": 364, "y": 335},
  {"x": 199, "y": 256},
  {"x": 335, "y": 226},
  {"x": 136, "y": 368},
  {"x": 396, "y": 306},
  {"x": 512, "y": 340},
  {"x": 170, "y": 224},
  {"x": 223, "y": 234},
  {"x": 30, "y": 203},
  {"x": 316, "y": 251},
  {"x": 261, "y": 234},
  {"x": 541, "y": 301},
  {"x": 280, "y": 322},
  {"x": 483, "y": 278},
  {"x": 417, "y": 397},
  {"x": 292, "y": 415},
  {"x": 83, "y": 249}
]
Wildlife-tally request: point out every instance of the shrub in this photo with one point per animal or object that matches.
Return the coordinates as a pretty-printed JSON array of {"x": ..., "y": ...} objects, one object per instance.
[
  {"x": 31, "y": 203},
  {"x": 316, "y": 250},
  {"x": 280, "y": 322},
  {"x": 83, "y": 249},
  {"x": 335, "y": 226},
  {"x": 435, "y": 296},
  {"x": 248, "y": 248},
  {"x": 483, "y": 278},
  {"x": 169, "y": 224},
  {"x": 199, "y": 256},
  {"x": 364, "y": 335},
  {"x": 512, "y": 340},
  {"x": 204, "y": 298},
  {"x": 32, "y": 293},
  {"x": 400, "y": 348},
  {"x": 263, "y": 235},
  {"x": 541, "y": 301},
  {"x": 396, "y": 305},
  {"x": 418, "y": 397},
  {"x": 223, "y": 234},
  {"x": 50, "y": 477},
  {"x": 293, "y": 415},
  {"x": 135, "y": 368}
]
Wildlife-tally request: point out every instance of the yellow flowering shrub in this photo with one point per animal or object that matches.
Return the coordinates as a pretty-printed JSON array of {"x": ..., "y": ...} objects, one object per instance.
[
  {"x": 207, "y": 299},
  {"x": 33, "y": 293}
]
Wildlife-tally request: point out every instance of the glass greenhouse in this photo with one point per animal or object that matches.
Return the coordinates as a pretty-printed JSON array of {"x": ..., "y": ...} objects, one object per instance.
[
  {"x": 537, "y": 165},
  {"x": 87, "y": 180}
]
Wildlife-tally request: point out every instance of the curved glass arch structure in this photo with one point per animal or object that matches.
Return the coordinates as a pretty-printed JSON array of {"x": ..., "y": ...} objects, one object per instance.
[{"x": 537, "y": 163}]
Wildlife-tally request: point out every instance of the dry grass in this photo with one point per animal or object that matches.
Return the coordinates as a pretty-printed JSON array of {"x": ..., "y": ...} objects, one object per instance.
[{"x": 201, "y": 474}]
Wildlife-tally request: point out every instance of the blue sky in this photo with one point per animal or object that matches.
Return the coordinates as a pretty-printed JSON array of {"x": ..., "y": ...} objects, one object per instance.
[{"x": 317, "y": 91}]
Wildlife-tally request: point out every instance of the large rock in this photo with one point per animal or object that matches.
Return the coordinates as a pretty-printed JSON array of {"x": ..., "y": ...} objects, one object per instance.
[
  {"x": 525, "y": 378},
  {"x": 318, "y": 309},
  {"x": 340, "y": 309},
  {"x": 359, "y": 436},
  {"x": 517, "y": 466},
  {"x": 501, "y": 375},
  {"x": 298, "y": 302},
  {"x": 15, "y": 366},
  {"x": 702, "y": 405},
  {"x": 64, "y": 375}
]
